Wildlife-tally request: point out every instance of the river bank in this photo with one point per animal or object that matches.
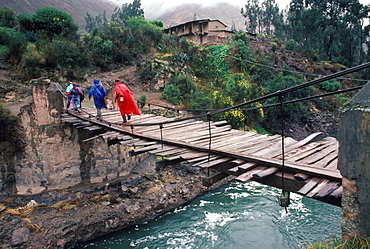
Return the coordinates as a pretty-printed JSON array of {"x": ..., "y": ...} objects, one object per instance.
[{"x": 63, "y": 218}]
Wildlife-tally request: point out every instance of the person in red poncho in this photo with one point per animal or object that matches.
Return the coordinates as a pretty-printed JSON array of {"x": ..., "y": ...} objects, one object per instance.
[{"x": 126, "y": 102}]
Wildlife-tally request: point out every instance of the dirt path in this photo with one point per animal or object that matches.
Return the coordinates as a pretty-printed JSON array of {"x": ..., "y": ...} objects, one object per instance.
[{"x": 125, "y": 74}]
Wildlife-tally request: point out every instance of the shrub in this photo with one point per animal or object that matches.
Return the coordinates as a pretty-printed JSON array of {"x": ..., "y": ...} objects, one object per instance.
[
  {"x": 290, "y": 45},
  {"x": 172, "y": 94},
  {"x": 330, "y": 85}
]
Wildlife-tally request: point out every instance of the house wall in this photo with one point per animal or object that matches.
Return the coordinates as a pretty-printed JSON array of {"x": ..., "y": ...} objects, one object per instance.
[{"x": 201, "y": 32}]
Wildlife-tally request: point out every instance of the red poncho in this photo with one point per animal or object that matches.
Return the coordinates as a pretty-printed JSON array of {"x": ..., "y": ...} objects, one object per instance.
[{"x": 127, "y": 104}]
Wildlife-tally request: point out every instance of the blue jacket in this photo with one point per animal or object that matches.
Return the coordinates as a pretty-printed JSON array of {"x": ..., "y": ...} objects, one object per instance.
[{"x": 98, "y": 92}]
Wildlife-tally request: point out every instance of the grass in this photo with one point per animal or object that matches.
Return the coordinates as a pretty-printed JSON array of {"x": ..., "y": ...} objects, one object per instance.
[{"x": 354, "y": 243}]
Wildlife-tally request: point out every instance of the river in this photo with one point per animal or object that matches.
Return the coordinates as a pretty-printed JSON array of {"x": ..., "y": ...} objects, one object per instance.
[{"x": 237, "y": 215}]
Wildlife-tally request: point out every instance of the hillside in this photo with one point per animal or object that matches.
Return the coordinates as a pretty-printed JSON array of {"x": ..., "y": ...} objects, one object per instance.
[
  {"x": 224, "y": 12},
  {"x": 76, "y": 8}
]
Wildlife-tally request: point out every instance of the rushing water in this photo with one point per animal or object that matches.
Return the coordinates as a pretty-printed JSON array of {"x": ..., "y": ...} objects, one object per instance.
[{"x": 237, "y": 215}]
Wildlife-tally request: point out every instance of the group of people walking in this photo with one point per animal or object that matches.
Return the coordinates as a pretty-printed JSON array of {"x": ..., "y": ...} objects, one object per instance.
[{"x": 123, "y": 97}]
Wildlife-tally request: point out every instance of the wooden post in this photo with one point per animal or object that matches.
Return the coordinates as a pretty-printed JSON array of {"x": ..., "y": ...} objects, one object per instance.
[{"x": 354, "y": 165}]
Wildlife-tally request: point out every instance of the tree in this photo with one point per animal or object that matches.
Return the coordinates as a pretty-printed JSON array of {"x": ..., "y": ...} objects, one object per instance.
[
  {"x": 270, "y": 11},
  {"x": 127, "y": 10},
  {"x": 99, "y": 21},
  {"x": 12, "y": 44},
  {"x": 7, "y": 18},
  {"x": 331, "y": 27},
  {"x": 53, "y": 23},
  {"x": 252, "y": 15}
]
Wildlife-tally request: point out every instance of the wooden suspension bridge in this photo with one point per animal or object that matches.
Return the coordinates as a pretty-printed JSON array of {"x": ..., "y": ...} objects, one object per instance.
[{"x": 307, "y": 167}]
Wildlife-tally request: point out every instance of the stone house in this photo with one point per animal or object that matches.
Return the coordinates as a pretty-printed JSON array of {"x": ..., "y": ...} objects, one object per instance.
[{"x": 203, "y": 31}]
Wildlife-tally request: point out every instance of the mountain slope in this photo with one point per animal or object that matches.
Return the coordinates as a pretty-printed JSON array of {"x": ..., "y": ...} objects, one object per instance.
[
  {"x": 76, "y": 8},
  {"x": 224, "y": 12}
]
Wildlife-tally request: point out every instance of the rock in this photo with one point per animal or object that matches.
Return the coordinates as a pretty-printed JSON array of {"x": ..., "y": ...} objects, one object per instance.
[
  {"x": 20, "y": 236},
  {"x": 105, "y": 203},
  {"x": 134, "y": 190}
]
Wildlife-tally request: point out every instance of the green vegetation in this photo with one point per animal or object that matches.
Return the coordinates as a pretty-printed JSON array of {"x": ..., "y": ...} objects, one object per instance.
[
  {"x": 10, "y": 138},
  {"x": 214, "y": 77},
  {"x": 354, "y": 243}
]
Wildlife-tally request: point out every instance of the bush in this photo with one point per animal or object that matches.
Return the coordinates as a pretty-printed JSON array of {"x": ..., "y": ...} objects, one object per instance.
[
  {"x": 10, "y": 137},
  {"x": 330, "y": 85},
  {"x": 142, "y": 101},
  {"x": 172, "y": 94},
  {"x": 290, "y": 45},
  {"x": 16, "y": 43}
]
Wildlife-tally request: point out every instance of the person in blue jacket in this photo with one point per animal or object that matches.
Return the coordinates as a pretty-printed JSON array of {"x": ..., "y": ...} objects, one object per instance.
[{"x": 99, "y": 93}]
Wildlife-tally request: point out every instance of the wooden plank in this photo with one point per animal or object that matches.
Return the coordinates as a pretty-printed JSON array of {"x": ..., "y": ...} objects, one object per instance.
[
  {"x": 141, "y": 150},
  {"x": 324, "y": 162},
  {"x": 234, "y": 163},
  {"x": 94, "y": 128},
  {"x": 91, "y": 138},
  {"x": 333, "y": 165},
  {"x": 318, "y": 155},
  {"x": 220, "y": 123},
  {"x": 300, "y": 176},
  {"x": 337, "y": 193},
  {"x": 239, "y": 144},
  {"x": 213, "y": 163},
  {"x": 328, "y": 189},
  {"x": 260, "y": 144},
  {"x": 291, "y": 166},
  {"x": 322, "y": 184},
  {"x": 273, "y": 149},
  {"x": 110, "y": 134},
  {"x": 168, "y": 161},
  {"x": 233, "y": 170},
  {"x": 168, "y": 153},
  {"x": 143, "y": 144},
  {"x": 266, "y": 172},
  {"x": 302, "y": 142},
  {"x": 191, "y": 155},
  {"x": 309, "y": 185},
  {"x": 249, "y": 175},
  {"x": 247, "y": 166},
  {"x": 309, "y": 149},
  {"x": 128, "y": 142},
  {"x": 205, "y": 159},
  {"x": 243, "y": 167},
  {"x": 172, "y": 127}
]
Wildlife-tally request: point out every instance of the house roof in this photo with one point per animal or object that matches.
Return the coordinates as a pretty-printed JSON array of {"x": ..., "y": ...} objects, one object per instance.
[{"x": 199, "y": 20}]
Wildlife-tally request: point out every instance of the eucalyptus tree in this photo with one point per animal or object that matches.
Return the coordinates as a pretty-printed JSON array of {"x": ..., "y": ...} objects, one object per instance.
[
  {"x": 252, "y": 13},
  {"x": 7, "y": 18},
  {"x": 127, "y": 10},
  {"x": 270, "y": 12},
  {"x": 332, "y": 28}
]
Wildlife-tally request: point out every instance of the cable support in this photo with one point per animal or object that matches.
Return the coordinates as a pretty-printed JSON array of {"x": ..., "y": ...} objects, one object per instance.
[
  {"x": 249, "y": 109},
  {"x": 303, "y": 99},
  {"x": 294, "y": 88},
  {"x": 286, "y": 70},
  {"x": 265, "y": 106},
  {"x": 265, "y": 97}
]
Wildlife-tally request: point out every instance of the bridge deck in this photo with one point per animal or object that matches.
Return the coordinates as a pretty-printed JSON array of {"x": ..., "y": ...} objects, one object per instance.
[{"x": 310, "y": 168}]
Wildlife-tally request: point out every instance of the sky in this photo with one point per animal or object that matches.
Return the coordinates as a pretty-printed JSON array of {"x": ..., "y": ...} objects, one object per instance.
[
  {"x": 155, "y": 8},
  {"x": 171, "y": 3}
]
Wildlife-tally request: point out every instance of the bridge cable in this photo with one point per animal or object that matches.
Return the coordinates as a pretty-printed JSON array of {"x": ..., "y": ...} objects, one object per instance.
[
  {"x": 264, "y": 106},
  {"x": 284, "y": 197},
  {"x": 209, "y": 119},
  {"x": 161, "y": 128}
]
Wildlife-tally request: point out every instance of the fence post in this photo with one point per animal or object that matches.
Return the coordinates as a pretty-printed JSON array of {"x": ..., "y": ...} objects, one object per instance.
[{"x": 354, "y": 165}]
